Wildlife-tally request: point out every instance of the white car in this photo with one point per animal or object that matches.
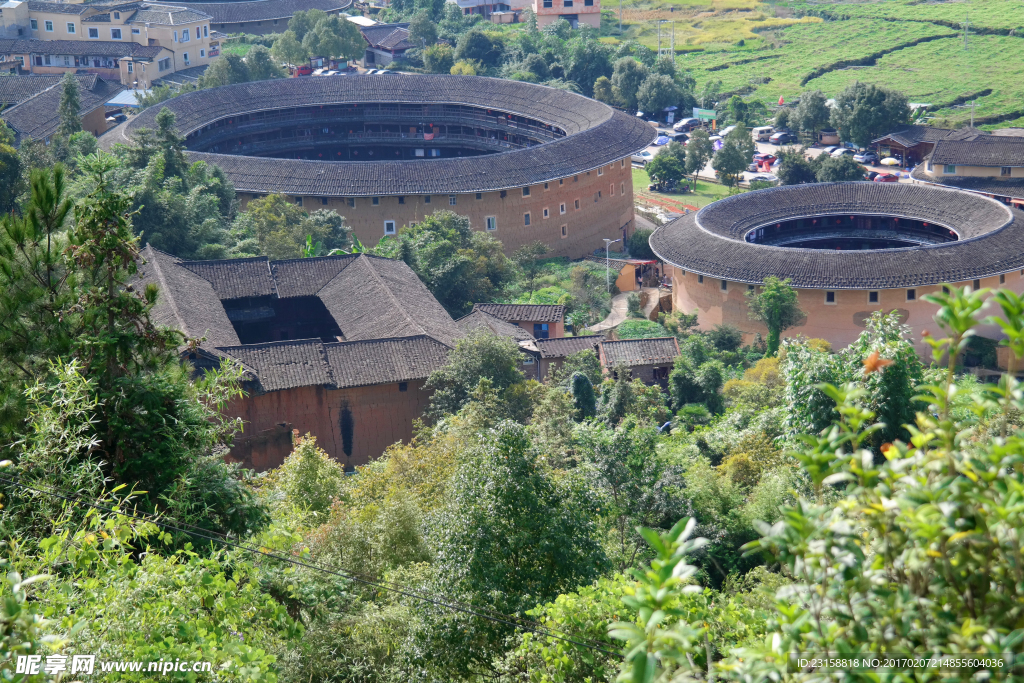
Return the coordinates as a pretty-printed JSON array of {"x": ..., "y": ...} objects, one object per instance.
[
  {"x": 643, "y": 157},
  {"x": 370, "y": 72},
  {"x": 843, "y": 151},
  {"x": 764, "y": 178}
]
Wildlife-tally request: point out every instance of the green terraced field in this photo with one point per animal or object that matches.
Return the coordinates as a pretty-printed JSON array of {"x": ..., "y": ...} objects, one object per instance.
[{"x": 1000, "y": 15}]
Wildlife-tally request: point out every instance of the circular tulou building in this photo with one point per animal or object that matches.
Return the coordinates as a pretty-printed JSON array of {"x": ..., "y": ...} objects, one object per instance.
[
  {"x": 522, "y": 161},
  {"x": 849, "y": 249}
]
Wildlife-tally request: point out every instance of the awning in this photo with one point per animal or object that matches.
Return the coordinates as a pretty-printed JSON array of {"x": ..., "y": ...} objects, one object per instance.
[{"x": 127, "y": 98}]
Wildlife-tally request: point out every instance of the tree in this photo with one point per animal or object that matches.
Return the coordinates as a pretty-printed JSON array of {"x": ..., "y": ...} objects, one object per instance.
[
  {"x": 794, "y": 168},
  {"x": 466, "y": 68},
  {"x": 735, "y": 155},
  {"x": 460, "y": 266},
  {"x": 699, "y": 151},
  {"x": 584, "y": 399},
  {"x": 812, "y": 113},
  {"x": 439, "y": 59},
  {"x": 603, "y": 90},
  {"x": 480, "y": 355},
  {"x": 639, "y": 244},
  {"x": 585, "y": 362},
  {"x": 303, "y": 21},
  {"x": 227, "y": 69},
  {"x": 527, "y": 258},
  {"x": 511, "y": 535},
  {"x": 708, "y": 96},
  {"x": 478, "y": 46},
  {"x": 260, "y": 64},
  {"x": 665, "y": 168},
  {"x": 865, "y": 111},
  {"x": 838, "y": 169},
  {"x": 784, "y": 118},
  {"x": 11, "y": 183},
  {"x": 69, "y": 109},
  {"x": 657, "y": 92},
  {"x": 585, "y": 60},
  {"x": 333, "y": 36},
  {"x": 738, "y": 109},
  {"x": 775, "y": 306},
  {"x": 726, "y": 337},
  {"x": 666, "y": 66},
  {"x": 627, "y": 77},
  {"x": 422, "y": 31},
  {"x": 288, "y": 49}
]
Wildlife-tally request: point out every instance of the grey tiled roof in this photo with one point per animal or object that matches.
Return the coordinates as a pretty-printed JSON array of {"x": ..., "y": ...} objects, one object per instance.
[
  {"x": 711, "y": 241},
  {"x": 394, "y": 330},
  {"x": 991, "y": 186},
  {"x": 168, "y": 15},
  {"x": 262, "y": 10},
  {"x": 37, "y": 117},
  {"x": 596, "y": 135},
  {"x": 388, "y": 36},
  {"x": 99, "y": 48},
  {"x": 58, "y": 7},
  {"x": 986, "y": 151},
  {"x": 537, "y": 313},
  {"x": 633, "y": 352},
  {"x": 14, "y": 89},
  {"x": 566, "y": 346},
  {"x": 913, "y": 135},
  {"x": 479, "y": 319}
]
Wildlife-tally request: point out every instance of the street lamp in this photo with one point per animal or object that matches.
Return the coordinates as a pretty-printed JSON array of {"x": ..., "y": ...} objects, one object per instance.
[{"x": 607, "y": 281}]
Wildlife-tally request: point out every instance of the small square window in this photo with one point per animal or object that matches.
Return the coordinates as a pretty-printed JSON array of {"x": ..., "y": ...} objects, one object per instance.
[
  {"x": 323, "y": 200},
  {"x": 403, "y": 386},
  {"x": 1002, "y": 279},
  {"x": 911, "y": 294},
  {"x": 949, "y": 168},
  {"x": 872, "y": 297},
  {"x": 600, "y": 171},
  {"x": 34, "y": 24},
  {"x": 1005, "y": 170},
  {"x": 545, "y": 186},
  {"x": 492, "y": 223},
  {"x": 71, "y": 27},
  {"x": 130, "y": 70},
  {"x": 401, "y": 200},
  {"x": 115, "y": 34},
  {"x": 561, "y": 210},
  {"x": 830, "y": 297},
  {"x": 298, "y": 201},
  {"x": 700, "y": 279},
  {"x": 545, "y": 212},
  {"x": 977, "y": 285},
  {"x": 451, "y": 200},
  {"x": 48, "y": 25},
  {"x": 750, "y": 288},
  {"x": 389, "y": 227},
  {"x": 479, "y": 195},
  {"x": 352, "y": 202},
  {"x": 725, "y": 286},
  {"x": 577, "y": 205},
  {"x": 561, "y": 181},
  {"x": 526, "y": 192},
  {"x": 376, "y": 201},
  {"x": 426, "y": 199},
  {"x": 526, "y": 218},
  {"x": 565, "y": 231},
  {"x": 528, "y": 359},
  {"x": 117, "y": 15},
  {"x": 94, "y": 33}
]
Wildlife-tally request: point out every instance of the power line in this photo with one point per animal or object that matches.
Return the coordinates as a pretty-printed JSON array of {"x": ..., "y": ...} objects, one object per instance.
[{"x": 508, "y": 620}]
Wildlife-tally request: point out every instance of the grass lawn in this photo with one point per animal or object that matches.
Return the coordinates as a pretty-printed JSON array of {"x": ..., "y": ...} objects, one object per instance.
[
  {"x": 236, "y": 48},
  {"x": 705, "y": 192}
]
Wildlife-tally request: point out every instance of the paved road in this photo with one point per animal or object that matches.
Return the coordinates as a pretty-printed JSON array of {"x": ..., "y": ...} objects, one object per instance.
[{"x": 617, "y": 315}]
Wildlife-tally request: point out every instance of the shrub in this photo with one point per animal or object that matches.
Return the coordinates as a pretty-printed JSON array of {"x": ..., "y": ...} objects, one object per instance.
[{"x": 641, "y": 329}]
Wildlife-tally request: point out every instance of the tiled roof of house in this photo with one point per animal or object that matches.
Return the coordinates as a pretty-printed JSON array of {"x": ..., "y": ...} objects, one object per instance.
[
  {"x": 58, "y": 7},
  {"x": 986, "y": 151},
  {"x": 913, "y": 135},
  {"x": 98, "y": 48},
  {"x": 596, "y": 135},
  {"x": 711, "y": 241},
  {"x": 14, "y": 89},
  {"x": 1013, "y": 187},
  {"x": 535, "y": 313},
  {"x": 168, "y": 15},
  {"x": 262, "y": 10},
  {"x": 387, "y": 36},
  {"x": 393, "y": 328},
  {"x": 634, "y": 352},
  {"x": 566, "y": 346},
  {"x": 37, "y": 117},
  {"x": 479, "y": 319}
]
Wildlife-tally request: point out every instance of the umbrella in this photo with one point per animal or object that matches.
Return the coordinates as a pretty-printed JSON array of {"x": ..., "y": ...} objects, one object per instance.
[{"x": 889, "y": 161}]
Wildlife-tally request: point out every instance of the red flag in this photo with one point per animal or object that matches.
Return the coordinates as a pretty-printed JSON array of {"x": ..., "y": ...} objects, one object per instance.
[{"x": 781, "y": 101}]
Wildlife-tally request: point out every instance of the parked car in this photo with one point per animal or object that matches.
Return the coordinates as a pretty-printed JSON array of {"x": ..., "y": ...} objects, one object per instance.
[
  {"x": 370, "y": 72},
  {"x": 303, "y": 70},
  {"x": 831, "y": 148},
  {"x": 680, "y": 137},
  {"x": 725, "y": 131},
  {"x": 866, "y": 158},
  {"x": 764, "y": 178},
  {"x": 642, "y": 157},
  {"x": 782, "y": 138},
  {"x": 660, "y": 140},
  {"x": 760, "y": 159},
  {"x": 686, "y": 125},
  {"x": 385, "y": 71},
  {"x": 119, "y": 117},
  {"x": 762, "y": 133},
  {"x": 842, "y": 152},
  {"x": 871, "y": 175},
  {"x": 886, "y": 178}
]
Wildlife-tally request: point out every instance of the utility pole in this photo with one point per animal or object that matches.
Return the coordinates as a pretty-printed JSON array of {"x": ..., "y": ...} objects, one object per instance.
[
  {"x": 659, "y": 38},
  {"x": 607, "y": 271},
  {"x": 620, "y": 17},
  {"x": 972, "y": 113},
  {"x": 967, "y": 28},
  {"x": 673, "y": 41}
]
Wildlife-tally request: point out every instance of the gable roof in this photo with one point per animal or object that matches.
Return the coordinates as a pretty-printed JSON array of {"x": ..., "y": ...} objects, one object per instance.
[
  {"x": 538, "y": 313},
  {"x": 168, "y": 15},
  {"x": 90, "y": 48},
  {"x": 480, "y": 319},
  {"x": 261, "y": 10},
  {"x": 560, "y": 347},
  {"x": 986, "y": 151},
  {"x": 634, "y": 352},
  {"x": 38, "y": 117},
  {"x": 915, "y": 135},
  {"x": 387, "y": 36},
  {"x": 393, "y": 328}
]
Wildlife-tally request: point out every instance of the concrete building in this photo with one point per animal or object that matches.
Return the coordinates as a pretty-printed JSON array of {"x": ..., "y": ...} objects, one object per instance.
[
  {"x": 30, "y": 104},
  {"x": 521, "y": 161},
  {"x": 576, "y": 12},
  {"x": 990, "y": 165},
  {"x": 384, "y": 44},
  {"x": 338, "y": 346},
  {"x": 849, "y": 249}
]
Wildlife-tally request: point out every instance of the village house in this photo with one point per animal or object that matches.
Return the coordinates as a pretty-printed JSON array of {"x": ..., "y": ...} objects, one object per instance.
[
  {"x": 649, "y": 360},
  {"x": 385, "y": 43},
  {"x": 541, "y": 321},
  {"x": 339, "y": 346},
  {"x": 31, "y": 104},
  {"x": 914, "y": 143},
  {"x": 991, "y": 165}
]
